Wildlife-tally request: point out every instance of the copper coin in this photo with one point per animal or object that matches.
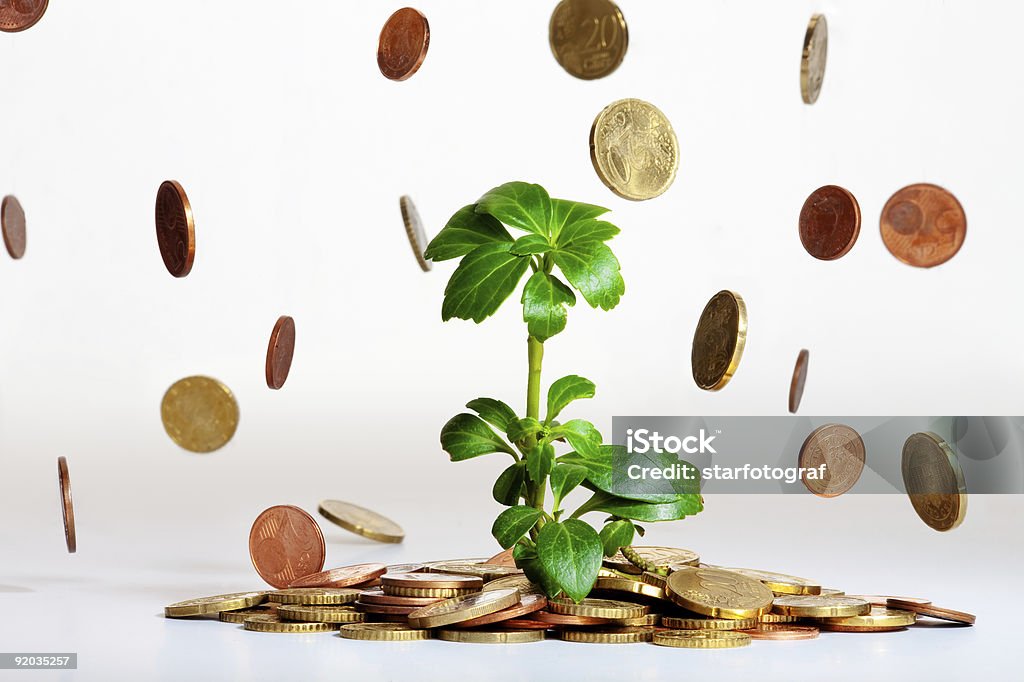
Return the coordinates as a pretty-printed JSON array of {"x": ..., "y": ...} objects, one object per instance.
[
  {"x": 65, "y": 504},
  {"x": 18, "y": 15},
  {"x": 12, "y": 224},
  {"x": 923, "y": 225},
  {"x": 285, "y": 543},
  {"x": 719, "y": 340},
  {"x": 565, "y": 619},
  {"x": 838, "y": 451},
  {"x": 525, "y": 624},
  {"x": 403, "y": 44},
  {"x": 346, "y": 576},
  {"x": 377, "y": 596},
  {"x": 175, "y": 228},
  {"x": 280, "y": 351},
  {"x": 503, "y": 559},
  {"x": 829, "y": 222},
  {"x": 528, "y": 604},
  {"x": 933, "y": 611},
  {"x": 796, "y": 385},
  {"x": 432, "y": 580},
  {"x": 775, "y": 631}
]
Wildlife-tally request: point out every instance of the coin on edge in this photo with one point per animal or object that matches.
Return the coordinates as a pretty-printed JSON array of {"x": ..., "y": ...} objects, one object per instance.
[
  {"x": 719, "y": 340},
  {"x": 923, "y": 225},
  {"x": 280, "y": 352},
  {"x": 796, "y": 384},
  {"x": 934, "y": 481},
  {"x": 200, "y": 414},
  {"x": 285, "y": 543},
  {"x": 702, "y": 639},
  {"x": 829, "y": 222},
  {"x": 589, "y": 38},
  {"x": 218, "y": 604},
  {"x": 361, "y": 521},
  {"x": 175, "y": 228},
  {"x": 817, "y": 606},
  {"x": 383, "y": 632},
  {"x": 933, "y": 611},
  {"x": 66, "y": 505},
  {"x": 12, "y": 225},
  {"x": 414, "y": 231},
  {"x": 838, "y": 448},
  {"x": 21, "y": 15},
  {"x": 813, "y": 58},
  {"x": 403, "y": 44},
  {"x": 634, "y": 149},
  {"x": 463, "y": 608},
  {"x": 719, "y": 593}
]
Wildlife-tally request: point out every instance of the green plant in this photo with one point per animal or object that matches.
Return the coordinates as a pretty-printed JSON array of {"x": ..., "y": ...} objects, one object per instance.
[{"x": 561, "y": 555}]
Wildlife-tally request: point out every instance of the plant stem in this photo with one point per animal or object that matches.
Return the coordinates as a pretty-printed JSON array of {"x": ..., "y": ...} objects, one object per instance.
[{"x": 535, "y": 351}]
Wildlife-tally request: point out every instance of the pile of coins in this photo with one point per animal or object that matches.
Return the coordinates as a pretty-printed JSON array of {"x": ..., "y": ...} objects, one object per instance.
[{"x": 670, "y": 599}]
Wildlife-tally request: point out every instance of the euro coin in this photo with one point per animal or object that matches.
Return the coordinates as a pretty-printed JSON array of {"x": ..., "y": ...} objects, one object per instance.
[
  {"x": 414, "y": 231},
  {"x": 20, "y": 15},
  {"x": 813, "y": 58},
  {"x": 701, "y": 639},
  {"x": 608, "y": 635},
  {"x": 779, "y": 582},
  {"x": 719, "y": 594},
  {"x": 362, "y": 521},
  {"x": 238, "y": 617},
  {"x": 829, "y": 222},
  {"x": 12, "y": 225},
  {"x": 431, "y": 581},
  {"x": 836, "y": 453},
  {"x": 320, "y": 614},
  {"x": 719, "y": 340},
  {"x": 345, "y": 576},
  {"x": 933, "y": 611},
  {"x": 799, "y": 380},
  {"x": 588, "y": 37},
  {"x": 273, "y": 623},
  {"x": 879, "y": 616},
  {"x": 923, "y": 225},
  {"x": 528, "y": 603},
  {"x": 677, "y": 623},
  {"x": 285, "y": 543},
  {"x": 934, "y": 481},
  {"x": 782, "y": 632},
  {"x": 314, "y": 595},
  {"x": 210, "y": 605},
  {"x": 403, "y": 44},
  {"x": 175, "y": 228},
  {"x": 634, "y": 149},
  {"x": 383, "y": 632},
  {"x": 280, "y": 352},
  {"x": 67, "y": 505},
  {"x": 463, "y": 608},
  {"x": 817, "y": 606},
  {"x": 200, "y": 414},
  {"x": 597, "y": 608}
]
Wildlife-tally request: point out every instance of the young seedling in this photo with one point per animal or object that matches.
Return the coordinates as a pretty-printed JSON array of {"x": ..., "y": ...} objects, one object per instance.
[{"x": 561, "y": 554}]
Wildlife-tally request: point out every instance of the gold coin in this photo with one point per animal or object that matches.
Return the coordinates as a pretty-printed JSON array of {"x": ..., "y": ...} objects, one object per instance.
[
  {"x": 641, "y": 621},
  {"x": 491, "y": 636},
  {"x": 719, "y": 594},
  {"x": 238, "y": 617},
  {"x": 273, "y": 623},
  {"x": 314, "y": 595},
  {"x": 719, "y": 340},
  {"x": 200, "y": 414},
  {"x": 320, "y": 614},
  {"x": 361, "y": 521},
  {"x": 483, "y": 570},
  {"x": 817, "y": 606},
  {"x": 831, "y": 592},
  {"x": 439, "y": 592},
  {"x": 879, "y": 616},
  {"x": 812, "y": 61},
  {"x": 632, "y": 586},
  {"x": 467, "y": 607},
  {"x": 209, "y": 605},
  {"x": 656, "y": 579},
  {"x": 708, "y": 623},
  {"x": 619, "y": 635},
  {"x": 432, "y": 581},
  {"x": 414, "y": 231},
  {"x": 634, "y": 149},
  {"x": 597, "y": 608},
  {"x": 588, "y": 37},
  {"x": 665, "y": 558},
  {"x": 701, "y": 639},
  {"x": 776, "y": 618},
  {"x": 934, "y": 481},
  {"x": 519, "y": 582},
  {"x": 779, "y": 582},
  {"x": 383, "y": 632}
]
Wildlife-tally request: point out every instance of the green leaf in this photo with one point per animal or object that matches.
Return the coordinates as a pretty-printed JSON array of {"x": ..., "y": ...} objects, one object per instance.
[
  {"x": 514, "y": 523},
  {"x": 523, "y": 428},
  {"x": 530, "y": 244},
  {"x": 539, "y": 461},
  {"x": 565, "y": 477},
  {"x": 599, "y": 471},
  {"x": 486, "y": 276},
  {"x": 615, "y": 535},
  {"x": 509, "y": 487},
  {"x": 544, "y": 300},
  {"x": 570, "y": 554},
  {"x": 519, "y": 204},
  {"x": 566, "y": 390},
  {"x": 682, "y": 506},
  {"x": 587, "y": 231},
  {"x": 565, "y": 214},
  {"x": 592, "y": 268},
  {"x": 466, "y": 436},
  {"x": 465, "y": 231},
  {"x": 493, "y": 411},
  {"x": 583, "y": 436}
]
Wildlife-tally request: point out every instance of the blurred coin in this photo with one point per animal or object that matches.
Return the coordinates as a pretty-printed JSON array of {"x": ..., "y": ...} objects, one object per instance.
[
  {"x": 782, "y": 632},
  {"x": 415, "y": 232},
  {"x": 345, "y": 576},
  {"x": 817, "y": 606},
  {"x": 588, "y": 37},
  {"x": 719, "y": 340},
  {"x": 18, "y": 15},
  {"x": 320, "y": 614},
  {"x": 361, "y": 521},
  {"x": 315, "y": 596},
  {"x": 933, "y": 611},
  {"x": 812, "y": 61},
  {"x": 719, "y": 594},
  {"x": 383, "y": 632},
  {"x": 634, "y": 149},
  {"x": 463, "y": 608},
  {"x": 608, "y": 635},
  {"x": 238, "y": 617},
  {"x": 280, "y": 351},
  {"x": 403, "y": 44},
  {"x": 796, "y": 384},
  {"x": 597, "y": 608},
  {"x": 678, "y": 623},
  {"x": 285, "y": 543},
  {"x": 934, "y": 481},
  {"x": 209, "y": 605},
  {"x": 840, "y": 450},
  {"x": 12, "y": 225},
  {"x": 175, "y": 228},
  {"x": 923, "y": 225},
  {"x": 701, "y": 639},
  {"x": 660, "y": 557},
  {"x": 66, "y": 505},
  {"x": 829, "y": 222},
  {"x": 200, "y": 414},
  {"x": 273, "y": 623},
  {"x": 491, "y": 636}
]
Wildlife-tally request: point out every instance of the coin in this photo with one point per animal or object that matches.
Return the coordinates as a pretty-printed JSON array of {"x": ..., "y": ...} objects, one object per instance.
[
  {"x": 200, "y": 414},
  {"x": 414, "y": 231},
  {"x": 779, "y": 582},
  {"x": 383, "y": 632},
  {"x": 12, "y": 225},
  {"x": 405, "y": 568},
  {"x": 431, "y": 581},
  {"x": 588, "y": 37},
  {"x": 718, "y": 341},
  {"x": 923, "y": 225},
  {"x": 528, "y": 603},
  {"x": 238, "y": 617},
  {"x": 377, "y": 596},
  {"x": 272, "y": 623},
  {"x": 280, "y": 351},
  {"x": 518, "y": 581},
  {"x": 656, "y": 579},
  {"x": 564, "y": 619},
  {"x": 389, "y": 609},
  {"x": 345, "y": 576},
  {"x": 817, "y": 606},
  {"x": 718, "y": 593},
  {"x": 646, "y": 620},
  {"x": 491, "y": 636},
  {"x": 403, "y": 44},
  {"x": 503, "y": 559},
  {"x": 66, "y": 505},
  {"x": 640, "y": 587},
  {"x": 285, "y": 543},
  {"x": 208, "y": 605},
  {"x": 677, "y": 623},
  {"x": 840, "y": 450},
  {"x": 658, "y": 557},
  {"x": 933, "y": 611},
  {"x": 796, "y": 384},
  {"x": 362, "y": 521},
  {"x": 463, "y": 608},
  {"x": 782, "y": 632},
  {"x": 439, "y": 592},
  {"x": 829, "y": 222},
  {"x": 882, "y": 599},
  {"x": 776, "y": 618},
  {"x": 831, "y": 592},
  {"x": 634, "y": 149},
  {"x": 701, "y": 639},
  {"x": 320, "y": 614},
  {"x": 597, "y": 608},
  {"x": 934, "y": 481},
  {"x": 879, "y": 616},
  {"x": 525, "y": 624},
  {"x": 175, "y": 228},
  {"x": 485, "y": 571},
  {"x": 317, "y": 596},
  {"x": 608, "y": 635},
  {"x": 812, "y": 61},
  {"x": 18, "y": 15}
]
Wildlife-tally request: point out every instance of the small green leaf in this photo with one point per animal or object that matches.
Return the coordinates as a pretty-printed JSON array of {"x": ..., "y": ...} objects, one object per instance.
[
  {"x": 582, "y": 435},
  {"x": 587, "y": 231},
  {"x": 539, "y": 461},
  {"x": 544, "y": 300},
  {"x": 565, "y": 477},
  {"x": 615, "y": 535},
  {"x": 493, "y": 411},
  {"x": 509, "y": 487},
  {"x": 465, "y": 231},
  {"x": 592, "y": 268},
  {"x": 519, "y": 204},
  {"x": 565, "y": 213},
  {"x": 523, "y": 428},
  {"x": 466, "y": 436},
  {"x": 599, "y": 473},
  {"x": 486, "y": 276},
  {"x": 514, "y": 523},
  {"x": 682, "y": 506},
  {"x": 566, "y": 390},
  {"x": 570, "y": 555},
  {"x": 530, "y": 244}
]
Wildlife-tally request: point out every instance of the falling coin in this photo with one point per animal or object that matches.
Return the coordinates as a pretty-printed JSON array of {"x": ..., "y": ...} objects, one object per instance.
[
  {"x": 796, "y": 384},
  {"x": 813, "y": 58},
  {"x": 403, "y": 44},
  {"x": 12, "y": 225},
  {"x": 341, "y": 577},
  {"x": 64, "y": 478},
  {"x": 200, "y": 414},
  {"x": 934, "y": 481},
  {"x": 175, "y": 228},
  {"x": 18, "y": 15},
  {"x": 634, "y": 149},
  {"x": 841, "y": 451},
  {"x": 285, "y": 543},
  {"x": 829, "y": 222},
  {"x": 414, "y": 231},
  {"x": 719, "y": 340},
  {"x": 362, "y": 521},
  {"x": 923, "y": 225},
  {"x": 280, "y": 351},
  {"x": 588, "y": 37}
]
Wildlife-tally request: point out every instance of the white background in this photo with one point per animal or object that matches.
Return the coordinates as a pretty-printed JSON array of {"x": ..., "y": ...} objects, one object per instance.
[{"x": 294, "y": 151}]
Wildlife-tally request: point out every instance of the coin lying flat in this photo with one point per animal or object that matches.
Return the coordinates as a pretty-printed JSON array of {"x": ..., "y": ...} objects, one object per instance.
[
  {"x": 458, "y": 609},
  {"x": 829, "y": 222},
  {"x": 341, "y": 577},
  {"x": 504, "y": 558},
  {"x": 813, "y": 58},
  {"x": 597, "y": 608},
  {"x": 439, "y": 592},
  {"x": 431, "y": 581},
  {"x": 238, "y": 617},
  {"x": 588, "y": 37},
  {"x": 362, "y": 521},
  {"x": 200, "y": 414},
  {"x": 840, "y": 450},
  {"x": 719, "y": 340},
  {"x": 518, "y": 581},
  {"x": 779, "y": 582},
  {"x": 658, "y": 557},
  {"x": 923, "y": 225},
  {"x": 934, "y": 481},
  {"x": 634, "y": 149},
  {"x": 796, "y": 384},
  {"x": 525, "y": 624},
  {"x": 817, "y": 606},
  {"x": 776, "y": 618},
  {"x": 719, "y": 594},
  {"x": 389, "y": 609},
  {"x": 209, "y": 605},
  {"x": 405, "y": 568},
  {"x": 12, "y": 225},
  {"x": 377, "y": 596},
  {"x": 608, "y": 635},
  {"x": 782, "y": 632},
  {"x": 314, "y": 596},
  {"x": 19, "y": 15},
  {"x": 415, "y": 232},
  {"x": 565, "y": 619},
  {"x": 67, "y": 506},
  {"x": 280, "y": 352},
  {"x": 403, "y": 44},
  {"x": 320, "y": 614},
  {"x": 175, "y": 228},
  {"x": 285, "y": 543},
  {"x": 640, "y": 587},
  {"x": 273, "y": 623},
  {"x": 482, "y": 570},
  {"x": 879, "y": 616},
  {"x": 677, "y": 623},
  {"x": 383, "y": 632},
  {"x": 701, "y": 639},
  {"x": 883, "y": 599},
  {"x": 933, "y": 611},
  {"x": 491, "y": 636},
  {"x": 528, "y": 603}
]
